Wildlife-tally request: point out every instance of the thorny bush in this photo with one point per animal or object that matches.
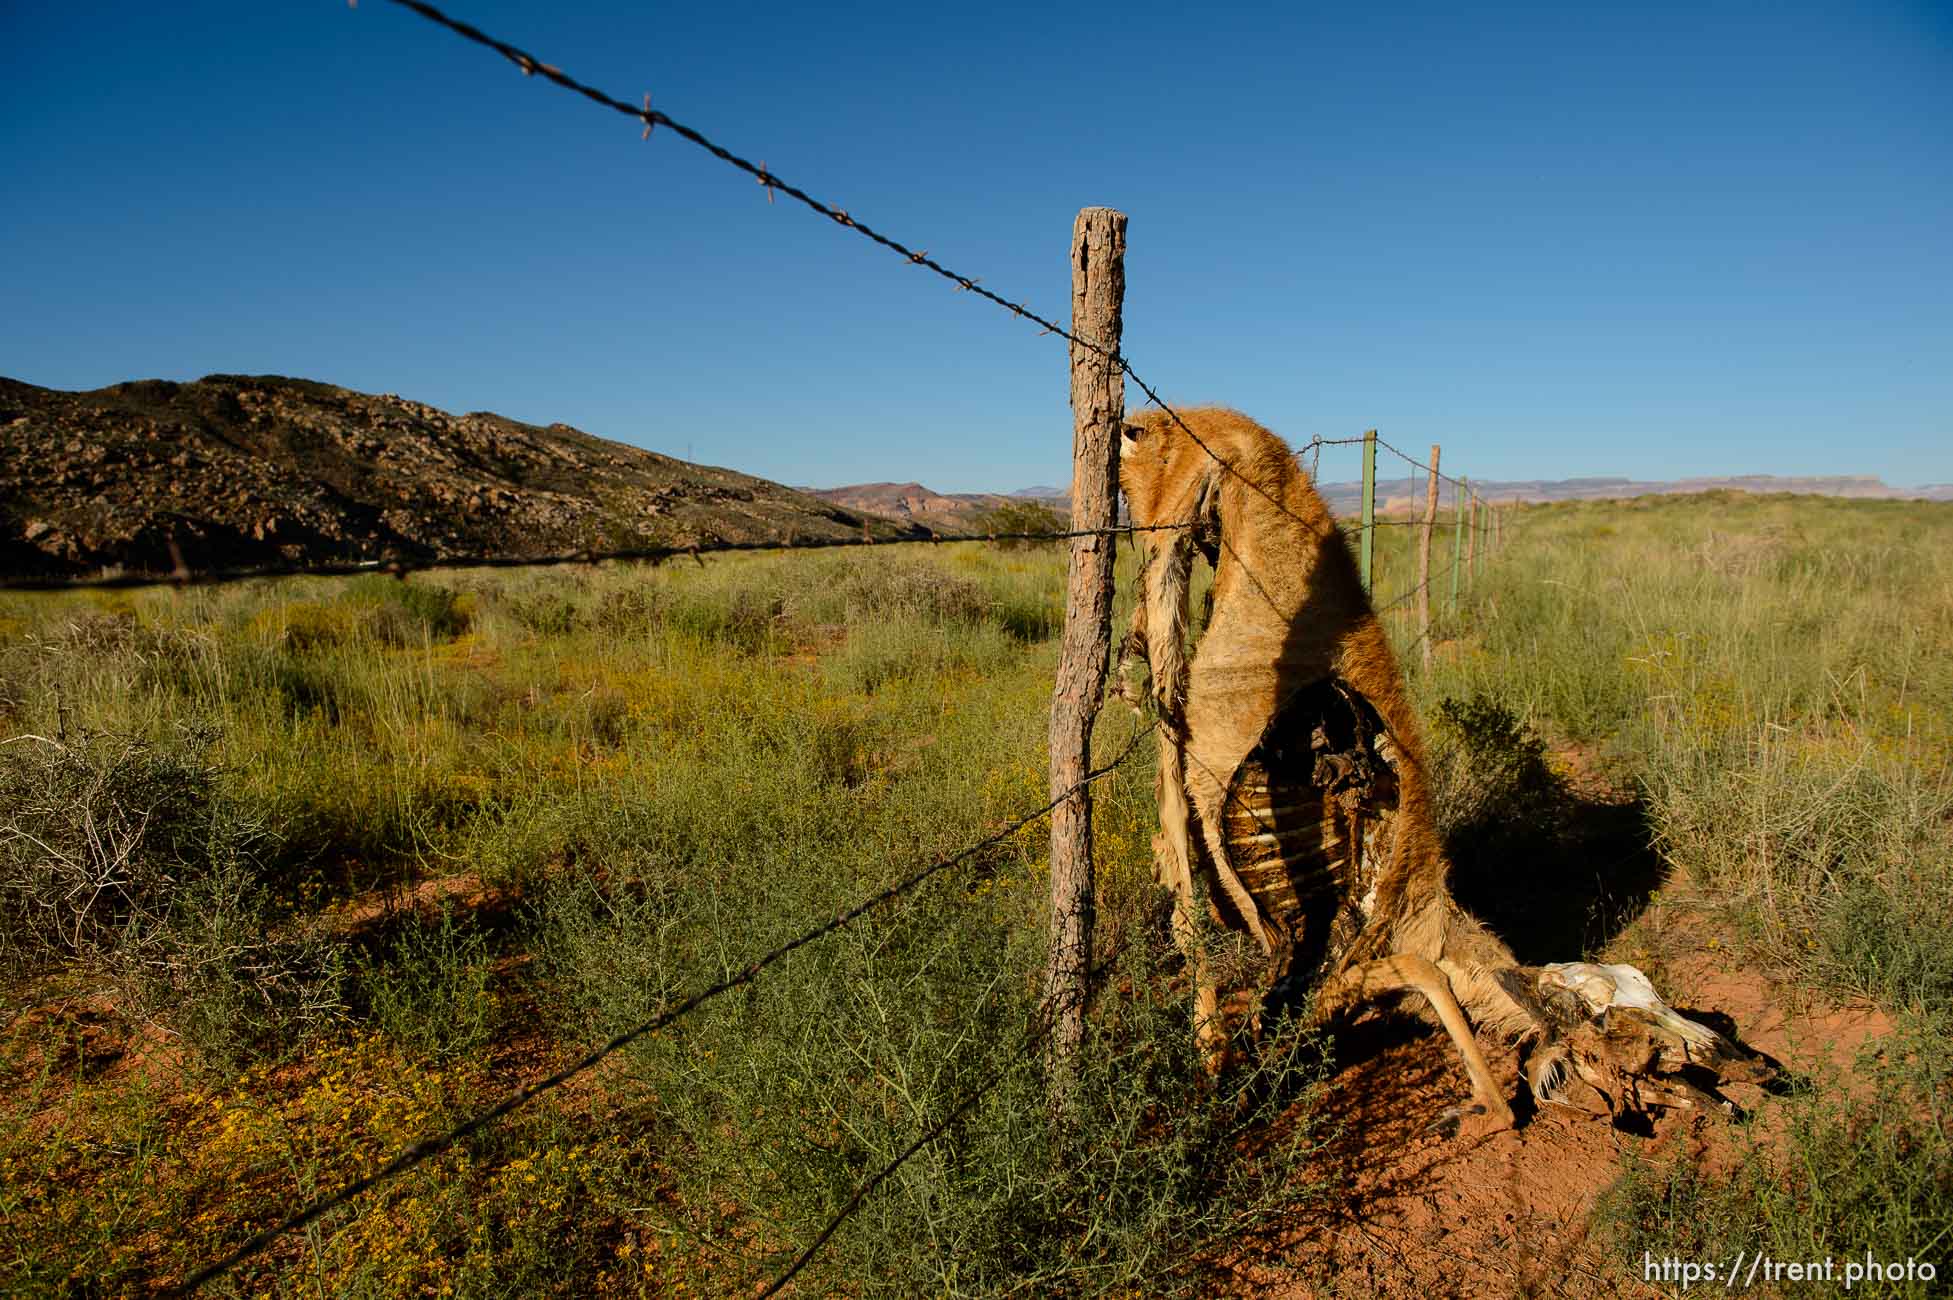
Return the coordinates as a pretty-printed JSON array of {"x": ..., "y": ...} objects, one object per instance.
[{"x": 124, "y": 855}]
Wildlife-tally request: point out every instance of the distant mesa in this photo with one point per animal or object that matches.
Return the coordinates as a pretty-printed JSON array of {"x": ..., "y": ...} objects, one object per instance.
[
  {"x": 1396, "y": 495},
  {"x": 954, "y": 511}
]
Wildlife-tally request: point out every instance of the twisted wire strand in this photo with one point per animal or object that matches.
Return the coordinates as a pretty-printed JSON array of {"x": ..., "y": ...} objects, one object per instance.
[
  {"x": 1316, "y": 443},
  {"x": 649, "y": 554},
  {"x": 652, "y": 118},
  {"x": 1415, "y": 463}
]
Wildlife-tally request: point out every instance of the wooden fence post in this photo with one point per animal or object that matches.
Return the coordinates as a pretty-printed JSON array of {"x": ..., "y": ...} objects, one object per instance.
[
  {"x": 1367, "y": 549},
  {"x": 1098, "y": 406},
  {"x": 1424, "y": 556},
  {"x": 1458, "y": 490},
  {"x": 1471, "y": 540}
]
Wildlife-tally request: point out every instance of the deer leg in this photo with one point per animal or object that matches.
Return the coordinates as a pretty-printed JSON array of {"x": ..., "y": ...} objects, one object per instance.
[
  {"x": 1209, "y": 1034},
  {"x": 1402, "y": 971}
]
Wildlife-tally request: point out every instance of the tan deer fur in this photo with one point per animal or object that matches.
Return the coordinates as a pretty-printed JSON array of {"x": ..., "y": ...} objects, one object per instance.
[{"x": 1289, "y": 613}]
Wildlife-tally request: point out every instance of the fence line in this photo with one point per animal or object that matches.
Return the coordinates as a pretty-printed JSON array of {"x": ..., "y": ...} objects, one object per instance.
[
  {"x": 1414, "y": 463},
  {"x": 183, "y": 576},
  {"x": 421, "y": 1151},
  {"x": 400, "y": 566},
  {"x": 653, "y": 118}
]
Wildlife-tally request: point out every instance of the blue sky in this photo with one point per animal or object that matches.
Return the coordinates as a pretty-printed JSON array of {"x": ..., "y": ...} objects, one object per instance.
[{"x": 1654, "y": 240}]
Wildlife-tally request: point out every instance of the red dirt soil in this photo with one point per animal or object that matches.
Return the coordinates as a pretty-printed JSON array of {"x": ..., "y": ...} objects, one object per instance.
[{"x": 1429, "y": 1216}]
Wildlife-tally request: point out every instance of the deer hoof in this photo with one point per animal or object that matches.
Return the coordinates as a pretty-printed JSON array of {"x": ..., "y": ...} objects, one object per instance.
[{"x": 1472, "y": 1122}]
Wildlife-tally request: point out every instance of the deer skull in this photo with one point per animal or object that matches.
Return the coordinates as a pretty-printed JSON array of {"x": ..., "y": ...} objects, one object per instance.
[{"x": 1612, "y": 1046}]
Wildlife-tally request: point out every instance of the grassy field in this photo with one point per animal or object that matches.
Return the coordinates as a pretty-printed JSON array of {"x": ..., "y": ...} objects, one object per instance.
[{"x": 297, "y": 873}]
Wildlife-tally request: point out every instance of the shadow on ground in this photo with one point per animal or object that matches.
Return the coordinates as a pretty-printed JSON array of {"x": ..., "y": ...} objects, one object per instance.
[{"x": 1562, "y": 887}]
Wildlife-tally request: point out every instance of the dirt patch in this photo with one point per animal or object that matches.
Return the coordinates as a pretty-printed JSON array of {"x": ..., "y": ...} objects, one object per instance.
[
  {"x": 1425, "y": 1214},
  {"x": 1804, "y": 1031},
  {"x": 1429, "y": 1214},
  {"x": 464, "y": 890}
]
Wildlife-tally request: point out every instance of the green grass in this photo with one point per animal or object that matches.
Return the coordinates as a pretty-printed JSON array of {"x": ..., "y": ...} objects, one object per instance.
[
  {"x": 486, "y": 820},
  {"x": 1850, "y": 1166},
  {"x": 1772, "y": 676},
  {"x": 627, "y": 783}
]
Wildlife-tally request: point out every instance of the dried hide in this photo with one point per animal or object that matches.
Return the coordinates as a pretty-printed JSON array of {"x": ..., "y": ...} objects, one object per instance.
[{"x": 1292, "y": 782}]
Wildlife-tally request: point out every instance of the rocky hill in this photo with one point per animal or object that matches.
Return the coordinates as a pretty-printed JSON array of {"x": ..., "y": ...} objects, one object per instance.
[{"x": 241, "y": 471}]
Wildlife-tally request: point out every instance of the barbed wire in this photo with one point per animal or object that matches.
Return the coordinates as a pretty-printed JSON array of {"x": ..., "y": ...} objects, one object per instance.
[
  {"x": 184, "y": 576},
  {"x": 1415, "y": 463},
  {"x": 400, "y": 566},
  {"x": 1316, "y": 444},
  {"x": 421, "y": 1151},
  {"x": 1425, "y": 585},
  {"x": 652, "y": 118}
]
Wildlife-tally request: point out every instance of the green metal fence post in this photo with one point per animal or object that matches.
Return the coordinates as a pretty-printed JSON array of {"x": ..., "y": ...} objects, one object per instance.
[
  {"x": 1367, "y": 550},
  {"x": 1458, "y": 492},
  {"x": 1410, "y": 546}
]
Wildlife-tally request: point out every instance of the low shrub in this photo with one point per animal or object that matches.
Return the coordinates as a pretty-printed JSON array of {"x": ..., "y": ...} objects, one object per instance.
[
  {"x": 403, "y": 612},
  {"x": 126, "y": 856},
  {"x": 910, "y": 589},
  {"x": 427, "y": 989},
  {"x": 546, "y": 614},
  {"x": 782, "y": 1104}
]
